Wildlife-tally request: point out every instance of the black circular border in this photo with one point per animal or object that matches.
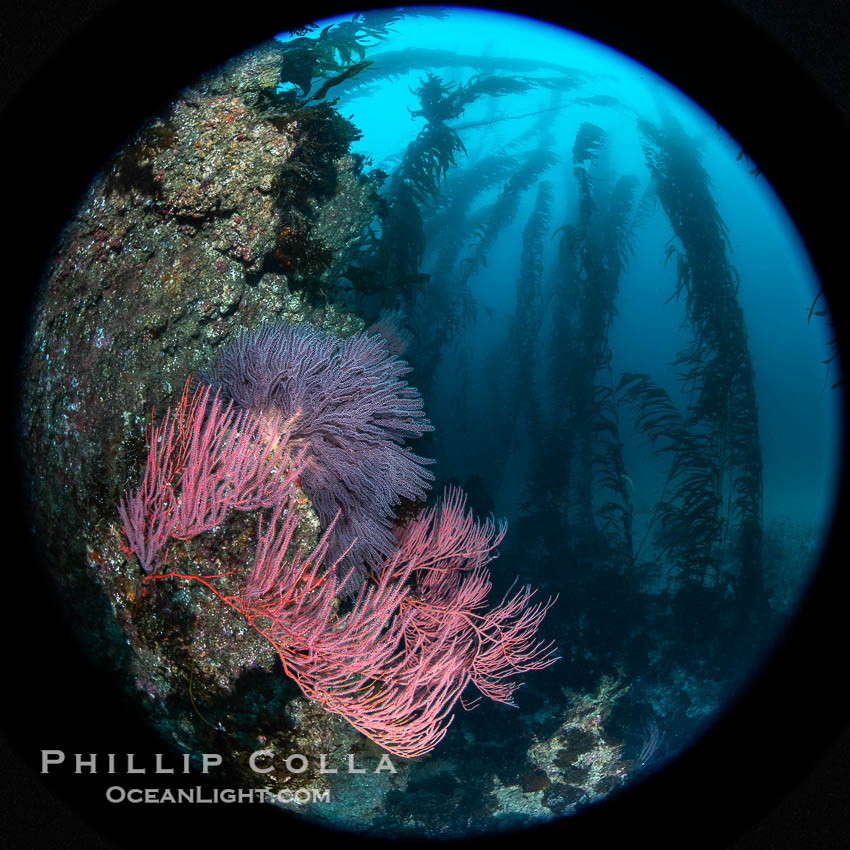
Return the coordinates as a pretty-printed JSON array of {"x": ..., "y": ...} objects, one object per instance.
[{"x": 68, "y": 65}]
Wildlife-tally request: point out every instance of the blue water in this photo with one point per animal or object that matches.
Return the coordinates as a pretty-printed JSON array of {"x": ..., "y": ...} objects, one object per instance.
[{"x": 800, "y": 419}]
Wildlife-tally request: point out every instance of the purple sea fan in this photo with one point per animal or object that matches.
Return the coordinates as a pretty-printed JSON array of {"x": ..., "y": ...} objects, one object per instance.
[
  {"x": 346, "y": 401},
  {"x": 389, "y": 326}
]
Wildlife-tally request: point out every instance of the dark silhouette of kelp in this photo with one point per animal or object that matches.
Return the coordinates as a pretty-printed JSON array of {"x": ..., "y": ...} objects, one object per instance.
[
  {"x": 593, "y": 253},
  {"x": 710, "y": 517}
]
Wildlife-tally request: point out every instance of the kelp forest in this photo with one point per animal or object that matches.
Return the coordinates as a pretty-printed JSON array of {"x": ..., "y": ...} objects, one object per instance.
[
  {"x": 656, "y": 586},
  {"x": 423, "y": 356}
]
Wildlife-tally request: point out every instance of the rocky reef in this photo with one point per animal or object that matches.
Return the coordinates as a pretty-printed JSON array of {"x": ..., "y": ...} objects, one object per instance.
[{"x": 215, "y": 216}]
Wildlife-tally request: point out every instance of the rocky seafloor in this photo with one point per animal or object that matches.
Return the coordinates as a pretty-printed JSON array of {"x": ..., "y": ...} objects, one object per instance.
[{"x": 218, "y": 215}]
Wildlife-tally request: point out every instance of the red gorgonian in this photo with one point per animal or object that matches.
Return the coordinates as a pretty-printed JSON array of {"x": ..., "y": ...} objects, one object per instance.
[{"x": 418, "y": 631}]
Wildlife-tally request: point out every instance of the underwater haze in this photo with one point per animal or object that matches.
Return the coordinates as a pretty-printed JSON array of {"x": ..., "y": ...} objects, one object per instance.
[
  {"x": 517, "y": 341},
  {"x": 778, "y": 282}
]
